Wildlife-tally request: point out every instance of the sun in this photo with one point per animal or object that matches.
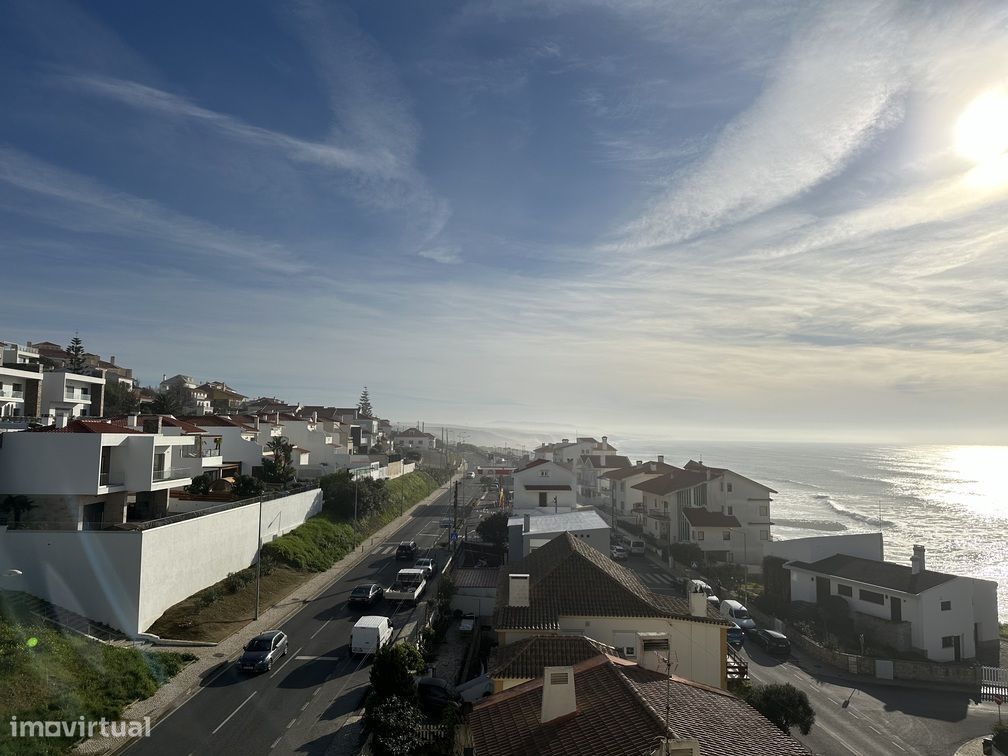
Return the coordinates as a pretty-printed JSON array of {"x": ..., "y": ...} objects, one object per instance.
[{"x": 982, "y": 129}]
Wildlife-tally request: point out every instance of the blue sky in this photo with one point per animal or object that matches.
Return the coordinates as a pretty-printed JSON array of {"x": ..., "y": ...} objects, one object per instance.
[{"x": 696, "y": 220}]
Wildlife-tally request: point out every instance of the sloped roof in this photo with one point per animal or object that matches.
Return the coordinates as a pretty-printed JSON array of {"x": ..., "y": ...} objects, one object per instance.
[
  {"x": 611, "y": 460},
  {"x": 715, "y": 471},
  {"x": 569, "y": 577},
  {"x": 410, "y": 432},
  {"x": 620, "y": 709},
  {"x": 183, "y": 425},
  {"x": 669, "y": 482},
  {"x": 890, "y": 575},
  {"x": 533, "y": 463},
  {"x": 647, "y": 468},
  {"x": 86, "y": 426},
  {"x": 525, "y": 659},
  {"x": 705, "y": 518},
  {"x": 211, "y": 421}
]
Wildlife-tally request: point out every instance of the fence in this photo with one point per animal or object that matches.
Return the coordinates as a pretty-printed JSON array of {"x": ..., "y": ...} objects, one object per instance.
[
  {"x": 181, "y": 516},
  {"x": 993, "y": 683}
]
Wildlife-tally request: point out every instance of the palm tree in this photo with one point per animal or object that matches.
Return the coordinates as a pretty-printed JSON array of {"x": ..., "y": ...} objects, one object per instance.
[
  {"x": 16, "y": 505},
  {"x": 166, "y": 403}
]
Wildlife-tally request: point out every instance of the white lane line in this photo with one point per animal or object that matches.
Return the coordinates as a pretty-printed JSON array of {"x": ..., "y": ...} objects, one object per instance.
[
  {"x": 286, "y": 661},
  {"x": 317, "y": 691},
  {"x": 305, "y": 705},
  {"x": 276, "y": 742},
  {"x": 832, "y": 700},
  {"x": 318, "y": 658},
  {"x": 291, "y": 723},
  {"x": 836, "y": 737},
  {"x": 877, "y": 730},
  {"x": 319, "y": 630},
  {"x": 234, "y": 712},
  {"x": 899, "y": 746}
]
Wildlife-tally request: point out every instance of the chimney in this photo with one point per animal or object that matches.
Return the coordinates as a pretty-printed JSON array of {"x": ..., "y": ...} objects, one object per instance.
[
  {"x": 558, "y": 693},
  {"x": 697, "y": 603},
  {"x": 526, "y": 526},
  {"x": 112, "y": 359},
  {"x": 566, "y": 440},
  {"x": 605, "y": 440},
  {"x": 314, "y": 417},
  {"x": 518, "y": 590},
  {"x": 653, "y": 651},
  {"x": 257, "y": 422},
  {"x": 131, "y": 421},
  {"x": 917, "y": 560},
  {"x": 661, "y": 459},
  {"x": 640, "y": 462},
  {"x": 277, "y": 418}
]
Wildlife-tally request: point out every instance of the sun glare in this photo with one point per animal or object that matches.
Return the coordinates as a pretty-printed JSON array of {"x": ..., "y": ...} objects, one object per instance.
[{"x": 982, "y": 129}]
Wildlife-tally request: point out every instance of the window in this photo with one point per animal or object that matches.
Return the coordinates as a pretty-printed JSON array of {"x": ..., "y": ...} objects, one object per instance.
[
  {"x": 726, "y": 535},
  {"x": 764, "y": 535},
  {"x": 946, "y": 606},
  {"x": 630, "y": 652},
  {"x": 729, "y": 488},
  {"x": 730, "y": 509},
  {"x": 764, "y": 510},
  {"x": 844, "y": 590},
  {"x": 948, "y": 641},
  {"x": 697, "y": 535},
  {"x": 871, "y": 597}
]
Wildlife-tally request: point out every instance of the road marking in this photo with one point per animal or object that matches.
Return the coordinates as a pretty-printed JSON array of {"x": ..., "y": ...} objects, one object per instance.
[
  {"x": 899, "y": 746},
  {"x": 836, "y": 737},
  {"x": 833, "y": 700},
  {"x": 318, "y": 658},
  {"x": 319, "y": 630},
  {"x": 234, "y": 712},
  {"x": 305, "y": 705},
  {"x": 875, "y": 728},
  {"x": 285, "y": 662},
  {"x": 317, "y": 691},
  {"x": 276, "y": 742},
  {"x": 291, "y": 723}
]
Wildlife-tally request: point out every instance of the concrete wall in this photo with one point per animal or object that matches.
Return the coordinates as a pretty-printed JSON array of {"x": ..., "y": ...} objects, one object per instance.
[
  {"x": 49, "y": 463},
  {"x": 128, "y": 579},
  {"x": 864, "y": 545}
]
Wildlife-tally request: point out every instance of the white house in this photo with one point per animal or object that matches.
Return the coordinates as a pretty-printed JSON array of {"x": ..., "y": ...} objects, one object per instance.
[
  {"x": 20, "y": 388},
  {"x": 566, "y": 587},
  {"x": 568, "y": 453},
  {"x": 66, "y": 395},
  {"x": 543, "y": 487},
  {"x": 91, "y": 473},
  {"x": 948, "y": 618},
  {"x": 624, "y": 498},
  {"x": 526, "y": 533},
  {"x": 413, "y": 438},
  {"x": 718, "y": 535},
  {"x": 240, "y": 447},
  {"x": 196, "y": 399},
  {"x": 203, "y": 457},
  {"x": 592, "y": 485}
]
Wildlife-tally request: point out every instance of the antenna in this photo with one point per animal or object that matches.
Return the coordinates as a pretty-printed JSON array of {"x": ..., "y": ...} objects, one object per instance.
[{"x": 668, "y": 682}]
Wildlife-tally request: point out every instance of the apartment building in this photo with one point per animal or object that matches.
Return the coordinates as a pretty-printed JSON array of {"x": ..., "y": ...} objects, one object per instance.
[{"x": 545, "y": 487}]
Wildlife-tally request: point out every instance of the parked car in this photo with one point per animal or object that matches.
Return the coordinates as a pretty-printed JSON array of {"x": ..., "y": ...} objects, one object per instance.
[
  {"x": 435, "y": 694},
  {"x": 714, "y": 602},
  {"x": 429, "y": 566},
  {"x": 618, "y": 552},
  {"x": 772, "y": 642},
  {"x": 367, "y": 594},
  {"x": 446, "y": 522},
  {"x": 467, "y": 624},
  {"x": 406, "y": 550},
  {"x": 370, "y": 634},
  {"x": 637, "y": 547},
  {"x": 736, "y": 636},
  {"x": 737, "y": 613},
  {"x": 263, "y": 650},
  {"x": 471, "y": 475}
]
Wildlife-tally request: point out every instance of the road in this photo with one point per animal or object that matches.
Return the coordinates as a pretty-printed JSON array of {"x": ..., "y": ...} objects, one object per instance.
[
  {"x": 855, "y": 718},
  {"x": 307, "y": 697}
]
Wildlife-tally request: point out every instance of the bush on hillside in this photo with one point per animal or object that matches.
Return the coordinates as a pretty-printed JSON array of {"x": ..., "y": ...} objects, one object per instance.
[{"x": 315, "y": 546}]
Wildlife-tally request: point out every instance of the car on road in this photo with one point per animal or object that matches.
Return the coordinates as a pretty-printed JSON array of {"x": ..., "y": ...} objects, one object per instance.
[
  {"x": 737, "y": 613},
  {"x": 772, "y": 642},
  {"x": 736, "y": 636},
  {"x": 428, "y": 565},
  {"x": 637, "y": 547},
  {"x": 715, "y": 602},
  {"x": 367, "y": 594},
  {"x": 435, "y": 694},
  {"x": 446, "y": 522},
  {"x": 370, "y": 634},
  {"x": 263, "y": 650},
  {"x": 471, "y": 475},
  {"x": 467, "y": 623},
  {"x": 618, "y": 553},
  {"x": 406, "y": 550}
]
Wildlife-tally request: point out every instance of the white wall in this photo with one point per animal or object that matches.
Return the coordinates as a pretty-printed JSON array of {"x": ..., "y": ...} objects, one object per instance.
[
  {"x": 864, "y": 545},
  {"x": 550, "y": 474},
  {"x": 49, "y": 463},
  {"x": 128, "y": 579}
]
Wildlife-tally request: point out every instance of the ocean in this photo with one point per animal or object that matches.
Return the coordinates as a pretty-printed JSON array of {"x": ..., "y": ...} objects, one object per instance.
[{"x": 951, "y": 499}]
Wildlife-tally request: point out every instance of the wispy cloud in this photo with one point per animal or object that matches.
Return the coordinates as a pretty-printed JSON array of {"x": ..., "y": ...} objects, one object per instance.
[{"x": 81, "y": 204}]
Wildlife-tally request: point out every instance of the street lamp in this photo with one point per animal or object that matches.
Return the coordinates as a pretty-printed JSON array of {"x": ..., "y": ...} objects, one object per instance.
[{"x": 259, "y": 558}]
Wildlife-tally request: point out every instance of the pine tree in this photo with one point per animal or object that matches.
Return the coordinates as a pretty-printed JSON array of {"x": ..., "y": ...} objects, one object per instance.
[
  {"x": 75, "y": 354},
  {"x": 364, "y": 405}
]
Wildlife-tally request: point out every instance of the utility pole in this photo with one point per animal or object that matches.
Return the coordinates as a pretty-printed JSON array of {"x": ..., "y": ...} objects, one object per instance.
[
  {"x": 259, "y": 558},
  {"x": 455, "y": 507}
]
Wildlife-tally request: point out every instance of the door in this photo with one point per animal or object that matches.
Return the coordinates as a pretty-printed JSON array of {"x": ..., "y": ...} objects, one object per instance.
[
  {"x": 957, "y": 647},
  {"x": 93, "y": 514},
  {"x": 822, "y": 589},
  {"x": 896, "y": 608},
  {"x": 542, "y": 498}
]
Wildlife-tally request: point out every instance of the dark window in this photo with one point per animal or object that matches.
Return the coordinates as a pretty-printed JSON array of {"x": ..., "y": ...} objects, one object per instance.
[
  {"x": 729, "y": 488},
  {"x": 871, "y": 596},
  {"x": 727, "y": 535},
  {"x": 946, "y": 606},
  {"x": 844, "y": 590},
  {"x": 948, "y": 641}
]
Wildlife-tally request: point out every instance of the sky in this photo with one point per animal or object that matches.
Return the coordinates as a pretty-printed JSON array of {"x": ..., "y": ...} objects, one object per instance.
[{"x": 748, "y": 221}]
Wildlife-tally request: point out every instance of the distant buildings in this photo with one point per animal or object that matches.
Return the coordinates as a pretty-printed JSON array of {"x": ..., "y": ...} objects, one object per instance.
[{"x": 413, "y": 438}]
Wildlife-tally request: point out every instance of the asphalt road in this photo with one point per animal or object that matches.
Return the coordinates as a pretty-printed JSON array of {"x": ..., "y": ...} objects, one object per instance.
[
  {"x": 854, "y": 718},
  {"x": 305, "y": 699}
]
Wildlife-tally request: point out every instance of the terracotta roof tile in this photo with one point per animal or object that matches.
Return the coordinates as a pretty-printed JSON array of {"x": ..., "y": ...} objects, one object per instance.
[
  {"x": 525, "y": 659},
  {"x": 704, "y": 518},
  {"x": 648, "y": 468},
  {"x": 611, "y": 460},
  {"x": 895, "y": 577},
  {"x": 670, "y": 482}
]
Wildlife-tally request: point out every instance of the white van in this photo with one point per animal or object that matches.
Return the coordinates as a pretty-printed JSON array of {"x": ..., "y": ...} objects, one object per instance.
[
  {"x": 637, "y": 547},
  {"x": 737, "y": 613},
  {"x": 370, "y": 634}
]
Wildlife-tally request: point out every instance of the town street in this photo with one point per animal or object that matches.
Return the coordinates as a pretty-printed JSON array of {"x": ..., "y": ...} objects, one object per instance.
[{"x": 855, "y": 718}]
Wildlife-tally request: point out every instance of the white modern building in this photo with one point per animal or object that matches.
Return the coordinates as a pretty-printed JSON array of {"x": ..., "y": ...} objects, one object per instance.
[
  {"x": 413, "y": 438},
  {"x": 240, "y": 447},
  {"x": 66, "y": 395},
  {"x": 526, "y": 533},
  {"x": 543, "y": 487},
  {"x": 948, "y": 618},
  {"x": 91, "y": 474},
  {"x": 196, "y": 399}
]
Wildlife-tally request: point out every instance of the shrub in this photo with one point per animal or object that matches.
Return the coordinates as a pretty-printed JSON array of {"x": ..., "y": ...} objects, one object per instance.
[
  {"x": 245, "y": 487},
  {"x": 315, "y": 546},
  {"x": 200, "y": 485}
]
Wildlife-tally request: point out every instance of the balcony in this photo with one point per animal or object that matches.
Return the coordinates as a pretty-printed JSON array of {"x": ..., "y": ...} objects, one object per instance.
[
  {"x": 204, "y": 447},
  {"x": 11, "y": 394},
  {"x": 76, "y": 396},
  {"x": 168, "y": 474},
  {"x": 104, "y": 479}
]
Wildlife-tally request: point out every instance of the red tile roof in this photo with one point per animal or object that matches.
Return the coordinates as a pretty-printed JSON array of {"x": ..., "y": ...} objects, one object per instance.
[
  {"x": 716, "y": 471},
  {"x": 211, "y": 421},
  {"x": 569, "y": 577},
  {"x": 533, "y": 463},
  {"x": 183, "y": 425},
  {"x": 670, "y": 482},
  {"x": 704, "y": 518},
  {"x": 525, "y": 659},
  {"x": 660, "y": 468},
  {"x": 87, "y": 426},
  {"x": 620, "y": 712},
  {"x": 611, "y": 460}
]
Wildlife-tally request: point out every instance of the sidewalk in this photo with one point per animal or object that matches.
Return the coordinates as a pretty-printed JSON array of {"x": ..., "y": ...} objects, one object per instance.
[{"x": 213, "y": 660}]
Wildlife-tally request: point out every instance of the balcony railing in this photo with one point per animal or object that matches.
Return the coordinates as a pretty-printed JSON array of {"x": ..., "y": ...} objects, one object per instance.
[
  {"x": 104, "y": 479},
  {"x": 11, "y": 394},
  {"x": 76, "y": 396},
  {"x": 168, "y": 474}
]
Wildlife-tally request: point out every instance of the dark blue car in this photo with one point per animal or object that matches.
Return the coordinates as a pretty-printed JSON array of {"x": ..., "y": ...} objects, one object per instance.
[{"x": 736, "y": 636}]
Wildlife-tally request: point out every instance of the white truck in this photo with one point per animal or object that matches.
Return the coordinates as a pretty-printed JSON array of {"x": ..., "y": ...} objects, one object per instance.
[{"x": 409, "y": 585}]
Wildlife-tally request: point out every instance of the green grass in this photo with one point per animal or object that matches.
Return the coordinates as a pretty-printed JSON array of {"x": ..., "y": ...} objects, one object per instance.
[
  {"x": 49, "y": 676},
  {"x": 1003, "y": 630}
]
